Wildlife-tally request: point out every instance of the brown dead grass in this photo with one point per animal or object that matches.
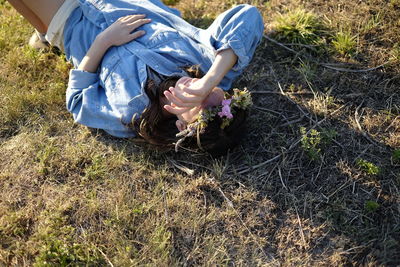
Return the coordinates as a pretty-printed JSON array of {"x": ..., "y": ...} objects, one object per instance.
[{"x": 79, "y": 197}]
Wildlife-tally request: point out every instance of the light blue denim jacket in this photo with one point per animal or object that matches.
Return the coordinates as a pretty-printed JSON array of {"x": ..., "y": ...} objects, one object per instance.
[{"x": 110, "y": 98}]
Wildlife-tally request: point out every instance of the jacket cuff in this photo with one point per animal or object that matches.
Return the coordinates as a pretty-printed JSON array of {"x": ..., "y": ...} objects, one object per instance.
[
  {"x": 239, "y": 48},
  {"x": 81, "y": 78}
]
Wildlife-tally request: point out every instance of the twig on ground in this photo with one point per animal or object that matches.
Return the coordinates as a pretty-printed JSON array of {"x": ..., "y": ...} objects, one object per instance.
[
  {"x": 292, "y": 122},
  {"x": 353, "y": 70},
  {"x": 396, "y": 119},
  {"x": 165, "y": 205},
  {"x": 317, "y": 124},
  {"x": 338, "y": 190},
  {"x": 287, "y": 97},
  {"x": 278, "y": 93},
  {"x": 268, "y": 110},
  {"x": 280, "y": 176},
  {"x": 280, "y": 44},
  {"x": 319, "y": 172},
  {"x": 105, "y": 256},
  {"x": 195, "y": 164},
  {"x": 300, "y": 227},
  {"x": 182, "y": 168},
  {"x": 205, "y": 201},
  {"x": 360, "y": 214},
  {"x": 259, "y": 165},
  {"x": 230, "y": 204},
  {"x": 357, "y": 119}
]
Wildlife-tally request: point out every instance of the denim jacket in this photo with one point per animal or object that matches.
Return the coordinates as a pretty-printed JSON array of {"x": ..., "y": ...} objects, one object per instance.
[{"x": 110, "y": 98}]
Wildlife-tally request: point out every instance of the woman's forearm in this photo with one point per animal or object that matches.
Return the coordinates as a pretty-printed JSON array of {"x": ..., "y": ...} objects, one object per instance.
[
  {"x": 94, "y": 55},
  {"x": 223, "y": 63},
  {"x": 120, "y": 32}
]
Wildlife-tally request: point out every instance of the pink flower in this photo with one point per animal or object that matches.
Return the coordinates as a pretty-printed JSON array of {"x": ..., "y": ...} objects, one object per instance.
[
  {"x": 226, "y": 102},
  {"x": 226, "y": 109}
]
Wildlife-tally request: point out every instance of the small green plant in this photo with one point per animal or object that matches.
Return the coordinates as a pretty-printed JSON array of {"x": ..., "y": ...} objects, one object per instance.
[
  {"x": 395, "y": 53},
  {"x": 300, "y": 27},
  {"x": 46, "y": 156},
  {"x": 371, "y": 206},
  {"x": 56, "y": 252},
  {"x": 96, "y": 170},
  {"x": 314, "y": 141},
  {"x": 368, "y": 167},
  {"x": 311, "y": 142},
  {"x": 373, "y": 22},
  {"x": 307, "y": 70},
  {"x": 344, "y": 43},
  {"x": 59, "y": 244},
  {"x": 160, "y": 241},
  {"x": 396, "y": 156}
]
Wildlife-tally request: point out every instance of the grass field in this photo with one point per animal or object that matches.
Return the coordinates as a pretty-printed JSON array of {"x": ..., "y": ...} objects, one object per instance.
[{"x": 315, "y": 182}]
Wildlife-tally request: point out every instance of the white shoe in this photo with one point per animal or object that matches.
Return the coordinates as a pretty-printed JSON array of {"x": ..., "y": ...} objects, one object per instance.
[{"x": 38, "y": 41}]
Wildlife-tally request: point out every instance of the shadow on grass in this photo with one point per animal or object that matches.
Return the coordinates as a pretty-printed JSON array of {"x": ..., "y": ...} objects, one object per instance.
[
  {"x": 358, "y": 207},
  {"x": 325, "y": 206}
]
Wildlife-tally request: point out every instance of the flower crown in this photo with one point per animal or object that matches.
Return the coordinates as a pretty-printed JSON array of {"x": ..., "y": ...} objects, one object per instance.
[{"x": 226, "y": 111}]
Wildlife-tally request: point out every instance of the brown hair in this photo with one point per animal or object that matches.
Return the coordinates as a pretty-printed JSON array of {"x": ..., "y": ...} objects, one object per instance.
[{"x": 159, "y": 130}]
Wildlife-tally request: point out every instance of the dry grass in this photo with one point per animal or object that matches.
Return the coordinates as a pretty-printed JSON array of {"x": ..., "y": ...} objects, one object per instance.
[{"x": 316, "y": 182}]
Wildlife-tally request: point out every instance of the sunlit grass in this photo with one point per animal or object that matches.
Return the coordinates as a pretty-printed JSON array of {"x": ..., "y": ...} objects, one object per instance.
[
  {"x": 71, "y": 196},
  {"x": 299, "y": 26},
  {"x": 344, "y": 43}
]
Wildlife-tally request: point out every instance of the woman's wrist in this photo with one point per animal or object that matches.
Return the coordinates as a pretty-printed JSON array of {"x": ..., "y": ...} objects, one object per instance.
[
  {"x": 102, "y": 42},
  {"x": 211, "y": 80},
  {"x": 224, "y": 61}
]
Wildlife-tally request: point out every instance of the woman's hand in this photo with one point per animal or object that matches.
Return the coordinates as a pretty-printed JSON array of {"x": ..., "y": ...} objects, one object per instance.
[
  {"x": 118, "y": 33},
  {"x": 188, "y": 94},
  {"x": 189, "y": 114},
  {"x": 122, "y": 30}
]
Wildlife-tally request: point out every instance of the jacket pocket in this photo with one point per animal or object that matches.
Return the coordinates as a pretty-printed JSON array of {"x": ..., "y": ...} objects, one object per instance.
[{"x": 157, "y": 34}]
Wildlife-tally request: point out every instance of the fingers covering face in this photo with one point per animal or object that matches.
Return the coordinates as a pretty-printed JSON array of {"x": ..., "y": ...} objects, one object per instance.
[
  {"x": 176, "y": 101},
  {"x": 181, "y": 94},
  {"x": 176, "y": 110}
]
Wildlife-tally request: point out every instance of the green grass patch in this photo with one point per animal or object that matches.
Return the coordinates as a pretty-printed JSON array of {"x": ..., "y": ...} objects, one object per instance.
[
  {"x": 371, "y": 206},
  {"x": 373, "y": 23},
  {"x": 300, "y": 27},
  {"x": 60, "y": 244},
  {"x": 313, "y": 142},
  {"x": 396, "y": 155},
  {"x": 395, "y": 53},
  {"x": 368, "y": 167},
  {"x": 344, "y": 43},
  {"x": 97, "y": 169}
]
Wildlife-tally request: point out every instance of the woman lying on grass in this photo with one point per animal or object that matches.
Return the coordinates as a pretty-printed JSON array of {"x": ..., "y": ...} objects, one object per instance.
[{"x": 139, "y": 68}]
